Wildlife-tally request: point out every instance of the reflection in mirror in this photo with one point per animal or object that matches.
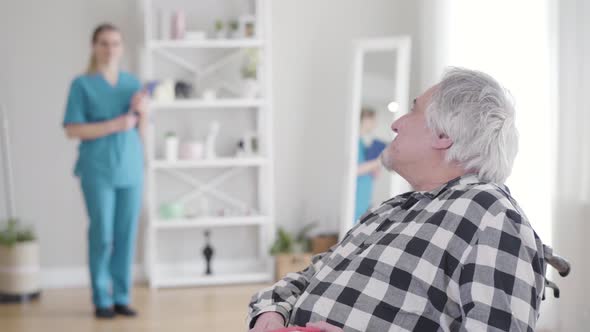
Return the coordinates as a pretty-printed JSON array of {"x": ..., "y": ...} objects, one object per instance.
[
  {"x": 373, "y": 183},
  {"x": 380, "y": 95}
]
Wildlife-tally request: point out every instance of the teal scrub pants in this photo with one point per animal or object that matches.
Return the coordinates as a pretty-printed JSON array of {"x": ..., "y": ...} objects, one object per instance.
[
  {"x": 364, "y": 193},
  {"x": 113, "y": 213}
]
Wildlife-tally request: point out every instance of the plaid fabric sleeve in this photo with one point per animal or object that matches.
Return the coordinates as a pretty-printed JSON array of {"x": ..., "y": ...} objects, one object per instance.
[
  {"x": 281, "y": 296},
  {"x": 501, "y": 281}
]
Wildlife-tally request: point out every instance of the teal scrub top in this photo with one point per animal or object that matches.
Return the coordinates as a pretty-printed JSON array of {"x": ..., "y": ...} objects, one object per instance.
[
  {"x": 116, "y": 158},
  {"x": 364, "y": 187}
]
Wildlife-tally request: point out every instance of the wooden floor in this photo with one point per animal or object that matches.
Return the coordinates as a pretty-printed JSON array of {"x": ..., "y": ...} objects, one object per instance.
[{"x": 193, "y": 309}]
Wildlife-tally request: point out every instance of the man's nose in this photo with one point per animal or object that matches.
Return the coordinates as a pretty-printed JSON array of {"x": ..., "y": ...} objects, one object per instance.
[{"x": 395, "y": 125}]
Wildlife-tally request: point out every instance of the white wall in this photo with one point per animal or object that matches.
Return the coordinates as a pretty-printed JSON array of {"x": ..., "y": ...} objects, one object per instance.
[
  {"x": 44, "y": 44},
  {"x": 432, "y": 45},
  {"x": 4, "y": 213},
  {"x": 569, "y": 48},
  {"x": 312, "y": 52},
  {"x": 572, "y": 197},
  {"x": 43, "y": 49}
]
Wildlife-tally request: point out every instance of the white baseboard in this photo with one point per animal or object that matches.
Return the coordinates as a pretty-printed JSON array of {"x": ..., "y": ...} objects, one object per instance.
[{"x": 76, "y": 277}]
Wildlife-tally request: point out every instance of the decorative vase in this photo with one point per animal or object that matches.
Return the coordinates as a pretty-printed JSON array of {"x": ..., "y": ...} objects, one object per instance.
[
  {"x": 171, "y": 149},
  {"x": 19, "y": 272},
  {"x": 178, "y": 25},
  {"x": 164, "y": 91},
  {"x": 250, "y": 88},
  {"x": 208, "y": 252},
  {"x": 323, "y": 243},
  {"x": 192, "y": 150},
  {"x": 209, "y": 94},
  {"x": 287, "y": 263},
  {"x": 171, "y": 211}
]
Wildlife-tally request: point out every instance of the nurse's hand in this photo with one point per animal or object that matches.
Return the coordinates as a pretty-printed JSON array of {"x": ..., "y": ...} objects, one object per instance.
[
  {"x": 125, "y": 122},
  {"x": 377, "y": 170},
  {"x": 139, "y": 103}
]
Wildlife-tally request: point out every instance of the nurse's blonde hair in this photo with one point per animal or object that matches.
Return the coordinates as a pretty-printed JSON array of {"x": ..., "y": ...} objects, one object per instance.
[{"x": 93, "y": 64}]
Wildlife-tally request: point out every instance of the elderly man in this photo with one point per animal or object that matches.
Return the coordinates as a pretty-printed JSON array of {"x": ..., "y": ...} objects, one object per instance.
[{"x": 456, "y": 254}]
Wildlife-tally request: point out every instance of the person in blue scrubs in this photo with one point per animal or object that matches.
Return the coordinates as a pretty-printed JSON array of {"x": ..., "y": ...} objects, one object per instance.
[
  {"x": 106, "y": 110},
  {"x": 364, "y": 185},
  {"x": 369, "y": 164}
]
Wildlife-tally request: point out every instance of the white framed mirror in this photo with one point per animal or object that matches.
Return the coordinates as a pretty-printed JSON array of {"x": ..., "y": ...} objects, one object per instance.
[{"x": 380, "y": 94}]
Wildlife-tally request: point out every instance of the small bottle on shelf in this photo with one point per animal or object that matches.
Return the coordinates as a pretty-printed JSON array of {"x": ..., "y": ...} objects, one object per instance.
[{"x": 171, "y": 147}]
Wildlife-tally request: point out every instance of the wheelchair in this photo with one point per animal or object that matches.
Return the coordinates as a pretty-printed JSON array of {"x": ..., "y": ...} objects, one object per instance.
[{"x": 560, "y": 264}]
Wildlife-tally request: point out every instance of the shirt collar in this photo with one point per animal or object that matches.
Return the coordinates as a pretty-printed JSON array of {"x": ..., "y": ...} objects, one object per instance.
[{"x": 463, "y": 180}]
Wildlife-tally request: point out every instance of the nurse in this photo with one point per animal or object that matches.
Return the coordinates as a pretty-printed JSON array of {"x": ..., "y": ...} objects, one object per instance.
[
  {"x": 107, "y": 112},
  {"x": 369, "y": 164}
]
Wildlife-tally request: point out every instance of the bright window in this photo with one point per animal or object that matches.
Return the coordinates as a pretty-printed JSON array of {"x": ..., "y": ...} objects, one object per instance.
[{"x": 510, "y": 40}]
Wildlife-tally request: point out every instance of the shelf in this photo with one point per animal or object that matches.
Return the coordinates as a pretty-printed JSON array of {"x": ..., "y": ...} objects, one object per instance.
[
  {"x": 205, "y": 43},
  {"x": 215, "y": 62},
  {"x": 209, "y": 163},
  {"x": 210, "y": 222},
  {"x": 186, "y": 281},
  {"x": 181, "y": 275},
  {"x": 214, "y": 103}
]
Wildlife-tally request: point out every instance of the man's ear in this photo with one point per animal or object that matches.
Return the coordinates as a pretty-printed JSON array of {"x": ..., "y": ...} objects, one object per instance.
[{"x": 441, "y": 142}]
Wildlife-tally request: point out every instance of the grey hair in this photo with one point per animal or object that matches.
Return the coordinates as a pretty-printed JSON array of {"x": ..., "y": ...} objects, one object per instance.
[{"x": 477, "y": 114}]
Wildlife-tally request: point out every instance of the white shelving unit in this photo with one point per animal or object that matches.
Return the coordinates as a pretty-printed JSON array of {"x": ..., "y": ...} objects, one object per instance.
[
  {"x": 211, "y": 43},
  {"x": 206, "y": 163},
  {"x": 187, "y": 276},
  {"x": 227, "y": 270},
  {"x": 211, "y": 222},
  {"x": 207, "y": 104}
]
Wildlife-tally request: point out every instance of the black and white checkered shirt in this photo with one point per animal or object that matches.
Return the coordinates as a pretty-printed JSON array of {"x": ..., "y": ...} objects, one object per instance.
[{"x": 460, "y": 258}]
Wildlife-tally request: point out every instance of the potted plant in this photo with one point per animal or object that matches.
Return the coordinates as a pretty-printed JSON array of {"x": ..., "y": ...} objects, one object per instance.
[
  {"x": 323, "y": 242},
  {"x": 247, "y": 25},
  {"x": 292, "y": 253},
  {"x": 220, "y": 29},
  {"x": 19, "y": 260},
  {"x": 250, "y": 86},
  {"x": 233, "y": 28}
]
